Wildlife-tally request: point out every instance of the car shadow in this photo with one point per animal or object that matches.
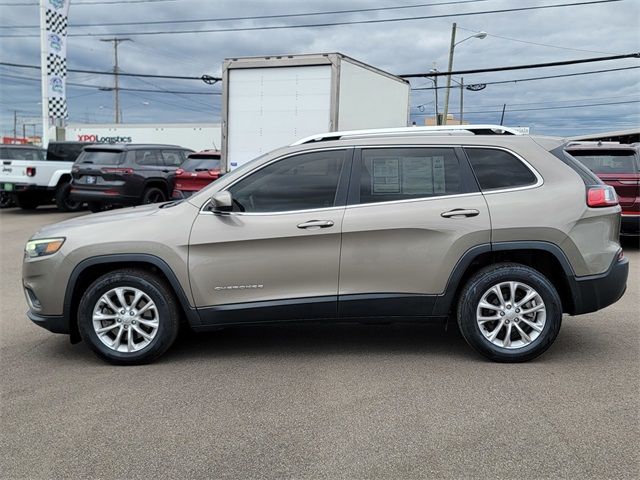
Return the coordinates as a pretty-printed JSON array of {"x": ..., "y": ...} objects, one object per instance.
[{"x": 629, "y": 242}]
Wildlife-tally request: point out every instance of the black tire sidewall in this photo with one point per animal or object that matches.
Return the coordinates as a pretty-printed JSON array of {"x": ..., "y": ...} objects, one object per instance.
[
  {"x": 62, "y": 198},
  {"x": 491, "y": 276},
  {"x": 147, "y": 193},
  {"x": 167, "y": 329}
]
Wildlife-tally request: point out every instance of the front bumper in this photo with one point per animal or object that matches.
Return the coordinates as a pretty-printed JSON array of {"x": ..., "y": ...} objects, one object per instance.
[
  {"x": 55, "y": 324},
  {"x": 596, "y": 292}
]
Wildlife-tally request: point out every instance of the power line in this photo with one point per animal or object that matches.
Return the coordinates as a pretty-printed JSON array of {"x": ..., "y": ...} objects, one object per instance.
[
  {"x": 536, "y": 43},
  {"x": 543, "y": 78},
  {"x": 76, "y": 3},
  {"x": 331, "y": 24},
  {"x": 554, "y": 108},
  {"x": 108, "y": 89},
  {"x": 97, "y": 72},
  {"x": 522, "y": 67},
  {"x": 626, "y": 97},
  {"x": 260, "y": 17}
]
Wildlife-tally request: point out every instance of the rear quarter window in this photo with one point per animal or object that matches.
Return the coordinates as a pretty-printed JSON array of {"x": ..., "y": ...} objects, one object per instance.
[{"x": 497, "y": 169}]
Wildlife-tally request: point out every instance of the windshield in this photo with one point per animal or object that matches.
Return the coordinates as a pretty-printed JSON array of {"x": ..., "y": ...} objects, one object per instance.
[
  {"x": 612, "y": 161},
  {"x": 100, "y": 157},
  {"x": 9, "y": 153},
  {"x": 201, "y": 164}
]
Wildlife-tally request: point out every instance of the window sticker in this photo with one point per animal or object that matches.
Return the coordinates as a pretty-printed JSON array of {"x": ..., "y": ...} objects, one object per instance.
[
  {"x": 438, "y": 175},
  {"x": 386, "y": 176},
  {"x": 417, "y": 176}
]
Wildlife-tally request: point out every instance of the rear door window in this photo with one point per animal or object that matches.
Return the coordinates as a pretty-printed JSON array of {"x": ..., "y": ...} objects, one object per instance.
[
  {"x": 8, "y": 153},
  {"x": 390, "y": 174},
  {"x": 498, "y": 169},
  {"x": 147, "y": 158}
]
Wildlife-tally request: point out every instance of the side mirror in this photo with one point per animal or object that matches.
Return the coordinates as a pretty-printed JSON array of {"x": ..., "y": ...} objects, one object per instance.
[{"x": 222, "y": 202}]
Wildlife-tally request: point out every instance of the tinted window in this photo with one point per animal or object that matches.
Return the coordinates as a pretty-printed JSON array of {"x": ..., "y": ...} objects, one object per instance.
[
  {"x": 301, "y": 182},
  {"x": 8, "y": 153},
  {"x": 147, "y": 158},
  {"x": 172, "y": 158},
  {"x": 64, "y": 152},
  {"x": 200, "y": 164},
  {"x": 607, "y": 162},
  {"x": 498, "y": 169},
  {"x": 404, "y": 173},
  {"x": 100, "y": 157}
]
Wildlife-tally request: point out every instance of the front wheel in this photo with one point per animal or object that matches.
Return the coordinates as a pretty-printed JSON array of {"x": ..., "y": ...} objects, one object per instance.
[
  {"x": 128, "y": 317},
  {"x": 509, "y": 312},
  {"x": 6, "y": 200}
]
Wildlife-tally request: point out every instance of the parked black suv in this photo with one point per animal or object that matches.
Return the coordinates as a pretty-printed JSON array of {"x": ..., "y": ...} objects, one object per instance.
[{"x": 130, "y": 174}]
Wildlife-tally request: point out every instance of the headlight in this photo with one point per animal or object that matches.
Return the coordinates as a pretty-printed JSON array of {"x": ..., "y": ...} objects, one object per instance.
[{"x": 43, "y": 247}]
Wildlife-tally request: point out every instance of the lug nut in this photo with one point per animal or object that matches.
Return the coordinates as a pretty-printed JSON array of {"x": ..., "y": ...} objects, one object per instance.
[
  {"x": 133, "y": 322},
  {"x": 509, "y": 305},
  {"x": 502, "y": 314},
  {"x": 122, "y": 312},
  {"x": 507, "y": 322},
  {"x": 517, "y": 310},
  {"x": 126, "y": 326},
  {"x": 517, "y": 320},
  {"x": 131, "y": 312},
  {"x": 118, "y": 320}
]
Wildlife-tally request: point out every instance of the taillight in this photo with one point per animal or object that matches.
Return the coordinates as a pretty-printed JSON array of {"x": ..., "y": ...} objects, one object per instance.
[
  {"x": 602, "y": 196},
  {"x": 125, "y": 171},
  {"x": 179, "y": 171},
  {"x": 31, "y": 171},
  {"x": 214, "y": 173}
]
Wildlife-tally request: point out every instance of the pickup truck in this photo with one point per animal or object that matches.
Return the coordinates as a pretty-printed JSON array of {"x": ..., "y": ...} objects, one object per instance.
[{"x": 29, "y": 179}]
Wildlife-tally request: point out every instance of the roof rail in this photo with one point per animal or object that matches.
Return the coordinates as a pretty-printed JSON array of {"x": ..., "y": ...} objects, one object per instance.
[{"x": 435, "y": 130}]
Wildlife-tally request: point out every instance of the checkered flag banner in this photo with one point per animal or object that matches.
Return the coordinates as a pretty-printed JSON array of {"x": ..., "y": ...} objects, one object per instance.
[{"x": 56, "y": 15}]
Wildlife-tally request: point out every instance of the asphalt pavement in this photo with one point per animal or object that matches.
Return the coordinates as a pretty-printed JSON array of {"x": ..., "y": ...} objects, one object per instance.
[{"x": 322, "y": 401}]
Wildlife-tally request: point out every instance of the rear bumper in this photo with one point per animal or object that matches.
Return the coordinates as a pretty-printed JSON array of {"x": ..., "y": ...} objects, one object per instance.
[
  {"x": 630, "y": 224},
  {"x": 23, "y": 187},
  {"x": 55, "y": 324},
  {"x": 101, "y": 196},
  {"x": 596, "y": 292}
]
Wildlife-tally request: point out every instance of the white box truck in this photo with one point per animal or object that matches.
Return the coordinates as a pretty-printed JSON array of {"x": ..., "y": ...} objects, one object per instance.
[{"x": 269, "y": 102}]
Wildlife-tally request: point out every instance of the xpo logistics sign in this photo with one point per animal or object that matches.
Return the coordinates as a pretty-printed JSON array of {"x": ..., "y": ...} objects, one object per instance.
[{"x": 93, "y": 138}]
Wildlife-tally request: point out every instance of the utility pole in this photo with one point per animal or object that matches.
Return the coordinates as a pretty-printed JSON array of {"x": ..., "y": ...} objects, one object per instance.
[
  {"x": 446, "y": 93},
  {"x": 15, "y": 125},
  {"x": 461, "y": 98},
  {"x": 504, "y": 107},
  {"x": 116, "y": 41}
]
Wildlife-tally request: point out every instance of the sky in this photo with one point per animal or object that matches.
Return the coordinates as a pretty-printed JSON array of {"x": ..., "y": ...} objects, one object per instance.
[{"x": 560, "y": 106}]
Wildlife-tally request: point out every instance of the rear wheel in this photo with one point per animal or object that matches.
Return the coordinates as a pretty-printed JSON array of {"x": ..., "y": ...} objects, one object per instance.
[
  {"x": 509, "y": 312},
  {"x": 63, "y": 202},
  {"x": 128, "y": 317},
  {"x": 26, "y": 201},
  {"x": 153, "y": 195},
  {"x": 6, "y": 200}
]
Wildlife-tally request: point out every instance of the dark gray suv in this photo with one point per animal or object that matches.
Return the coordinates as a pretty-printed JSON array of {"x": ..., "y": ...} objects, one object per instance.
[{"x": 130, "y": 174}]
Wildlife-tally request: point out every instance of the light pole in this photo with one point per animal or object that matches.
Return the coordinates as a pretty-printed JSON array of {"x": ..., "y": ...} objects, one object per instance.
[{"x": 479, "y": 35}]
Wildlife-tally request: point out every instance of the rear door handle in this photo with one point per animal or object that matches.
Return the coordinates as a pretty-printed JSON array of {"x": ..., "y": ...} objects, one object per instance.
[
  {"x": 460, "y": 212},
  {"x": 315, "y": 224}
]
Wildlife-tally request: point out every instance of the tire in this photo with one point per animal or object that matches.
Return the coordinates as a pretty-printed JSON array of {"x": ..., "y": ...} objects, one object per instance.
[
  {"x": 153, "y": 195},
  {"x": 27, "y": 202},
  {"x": 95, "y": 207},
  {"x": 63, "y": 202},
  {"x": 6, "y": 200},
  {"x": 160, "y": 322},
  {"x": 540, "y": 327}
]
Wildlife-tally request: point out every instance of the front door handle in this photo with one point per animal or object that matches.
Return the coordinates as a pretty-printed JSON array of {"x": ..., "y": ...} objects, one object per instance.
[
  {"x": 315, "y": 224},
  {"x": 460, "y": 212}
]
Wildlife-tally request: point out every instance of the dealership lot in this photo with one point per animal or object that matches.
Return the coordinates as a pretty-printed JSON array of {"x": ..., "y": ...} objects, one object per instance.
[{"x": 340, "y": 401}]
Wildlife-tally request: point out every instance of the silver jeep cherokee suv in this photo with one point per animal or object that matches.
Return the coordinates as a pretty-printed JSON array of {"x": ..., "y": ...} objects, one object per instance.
[{"x": 504, "y": 232}]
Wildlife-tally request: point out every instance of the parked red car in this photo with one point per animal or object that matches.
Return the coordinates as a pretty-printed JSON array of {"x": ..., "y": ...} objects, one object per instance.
[
  {"x": 617, "y": 165},
  {"x": 198, "y": 171}
]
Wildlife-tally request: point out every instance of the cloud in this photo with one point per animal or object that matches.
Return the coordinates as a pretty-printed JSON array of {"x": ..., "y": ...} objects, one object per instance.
[{"x": 398, "y": 47}]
